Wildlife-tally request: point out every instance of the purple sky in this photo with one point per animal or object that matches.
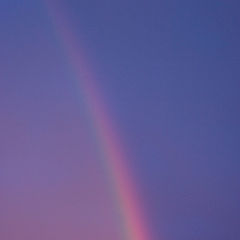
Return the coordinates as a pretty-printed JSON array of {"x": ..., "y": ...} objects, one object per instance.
[{"x": 170, "y": 74}]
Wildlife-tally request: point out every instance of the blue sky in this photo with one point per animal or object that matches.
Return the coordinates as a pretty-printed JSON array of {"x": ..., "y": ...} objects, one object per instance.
[{"x": 170, "y": 74}]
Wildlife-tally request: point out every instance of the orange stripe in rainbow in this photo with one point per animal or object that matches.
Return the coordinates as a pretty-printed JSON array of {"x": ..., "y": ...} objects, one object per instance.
[{"x": 128, "y": 199}]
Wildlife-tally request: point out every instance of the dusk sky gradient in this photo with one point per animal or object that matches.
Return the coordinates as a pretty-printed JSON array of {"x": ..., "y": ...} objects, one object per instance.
[{"x": 168, "y": 73}]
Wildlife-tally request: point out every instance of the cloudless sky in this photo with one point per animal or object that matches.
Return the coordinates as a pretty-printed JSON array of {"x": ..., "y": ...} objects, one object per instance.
[{"x": 170, "y": 74}]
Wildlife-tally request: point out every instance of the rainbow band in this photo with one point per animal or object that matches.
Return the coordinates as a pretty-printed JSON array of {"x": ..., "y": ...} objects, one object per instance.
[{"x": 115, "y": 159}]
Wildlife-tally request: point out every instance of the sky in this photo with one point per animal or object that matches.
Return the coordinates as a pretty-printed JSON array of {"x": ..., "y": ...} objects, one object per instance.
[{"x": 168, "y": 74}]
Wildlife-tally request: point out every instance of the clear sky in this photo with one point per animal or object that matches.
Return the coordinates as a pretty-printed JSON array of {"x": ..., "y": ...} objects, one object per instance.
[{"x": 169, "y": 73}]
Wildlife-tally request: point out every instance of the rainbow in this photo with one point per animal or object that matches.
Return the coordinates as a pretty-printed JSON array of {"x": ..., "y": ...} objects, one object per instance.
[{"x": 133, "y": 219}]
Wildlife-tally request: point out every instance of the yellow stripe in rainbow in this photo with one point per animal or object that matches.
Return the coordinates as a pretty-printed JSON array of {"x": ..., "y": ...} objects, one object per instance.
[{"x": 128, "y": 199}]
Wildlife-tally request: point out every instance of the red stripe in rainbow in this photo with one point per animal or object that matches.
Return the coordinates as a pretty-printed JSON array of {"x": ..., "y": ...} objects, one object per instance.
[{"x": 116, "y": 161}]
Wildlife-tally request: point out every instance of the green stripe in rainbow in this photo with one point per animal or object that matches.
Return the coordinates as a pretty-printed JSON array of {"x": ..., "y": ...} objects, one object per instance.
[{"x": 136, "y": 227}]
